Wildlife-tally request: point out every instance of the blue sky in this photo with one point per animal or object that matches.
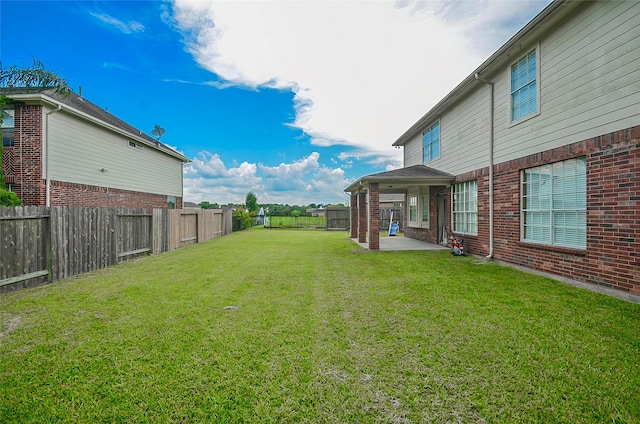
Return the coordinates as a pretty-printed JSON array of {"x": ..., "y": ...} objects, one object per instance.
[{"x": 290, "y": 100}]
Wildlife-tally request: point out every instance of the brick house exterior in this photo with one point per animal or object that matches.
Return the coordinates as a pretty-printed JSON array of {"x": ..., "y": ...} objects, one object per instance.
[
  {"x": 25, "y": 161},
  {"x": 612, "y": 257},
  {"x": 577, "y": 125}
]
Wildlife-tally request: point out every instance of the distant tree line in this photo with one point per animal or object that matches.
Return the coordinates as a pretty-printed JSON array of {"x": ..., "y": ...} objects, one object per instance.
[
  {"x": 273, "y": 209},
  {"x": 245, "y": 214}
]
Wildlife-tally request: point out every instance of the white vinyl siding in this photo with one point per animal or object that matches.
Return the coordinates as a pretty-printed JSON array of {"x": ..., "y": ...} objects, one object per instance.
[
  {"x": 464, "y": 133},
  {"x": 465, "y": 208},
  {"x": 589, "y": 85},
  {"x": 83, "y": 153},
  {"x": 589, "y": 82},
  {"x": 554, "y": 202}
]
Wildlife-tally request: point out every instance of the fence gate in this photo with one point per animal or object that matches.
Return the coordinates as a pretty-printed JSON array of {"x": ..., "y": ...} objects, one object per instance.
[{"x": 338, "y": 218}]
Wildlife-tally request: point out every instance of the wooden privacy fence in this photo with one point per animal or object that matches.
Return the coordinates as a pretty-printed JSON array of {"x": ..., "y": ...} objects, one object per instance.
[
  {"x": 338, "y": 218},
  {"x": 39, "y": 244}
]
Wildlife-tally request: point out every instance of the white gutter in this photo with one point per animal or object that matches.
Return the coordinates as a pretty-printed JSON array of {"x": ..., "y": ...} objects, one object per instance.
[
  {"x": 491, "y": 229},
  {"x": 46, "y": 154}
]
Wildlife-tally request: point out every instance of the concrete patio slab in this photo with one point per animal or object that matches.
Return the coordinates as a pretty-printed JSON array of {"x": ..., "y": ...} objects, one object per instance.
[{"x": 403, "y": 243}]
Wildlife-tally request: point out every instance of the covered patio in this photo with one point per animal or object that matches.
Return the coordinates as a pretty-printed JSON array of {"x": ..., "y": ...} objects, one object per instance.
[{"x": 429, "y": 229}]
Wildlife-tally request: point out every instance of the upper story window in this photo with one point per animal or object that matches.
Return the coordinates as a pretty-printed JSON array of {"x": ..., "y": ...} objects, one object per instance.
[
  {"x": 554, "y": 204},
  {"x": 431, "y": 143},
  {"x": 524, "y": 86},
  {"x": 8, "y": 126}
]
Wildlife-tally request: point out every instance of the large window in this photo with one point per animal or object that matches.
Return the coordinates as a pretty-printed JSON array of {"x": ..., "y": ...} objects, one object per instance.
[
  {"x": 554, "y": 203},
  {"x": 524, "y": 86},
  {"x": 425, "y": 208},
  {"x": 413, "y": 208},
  {"x": 465, "y": 208},
  {"x": 8, "y": 125},
  {"x": 431, "y": 143}
]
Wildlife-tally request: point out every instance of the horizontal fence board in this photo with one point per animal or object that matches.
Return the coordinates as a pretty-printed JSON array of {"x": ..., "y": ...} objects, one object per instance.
[{"x": 24, "y": 277}]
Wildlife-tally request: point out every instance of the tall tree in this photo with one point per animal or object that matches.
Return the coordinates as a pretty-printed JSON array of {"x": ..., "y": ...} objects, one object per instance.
[{"x": 251, "y": 202}]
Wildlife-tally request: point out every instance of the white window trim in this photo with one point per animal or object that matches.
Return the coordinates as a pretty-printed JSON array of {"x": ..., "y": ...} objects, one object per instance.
[
  {"x": 539, "y": 99},
  {"x": 439, "y": 141},
  {"x": 551, "y": 235},
  {"x": 418, "y": 194},
  {"x": 452, "y": 194}
]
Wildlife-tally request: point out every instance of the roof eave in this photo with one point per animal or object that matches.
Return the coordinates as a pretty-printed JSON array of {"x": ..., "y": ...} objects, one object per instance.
[
  {"x": 43, "y": 98},
  {"x": 362, "y": 184},
  {"x": 487, "y": 66}
]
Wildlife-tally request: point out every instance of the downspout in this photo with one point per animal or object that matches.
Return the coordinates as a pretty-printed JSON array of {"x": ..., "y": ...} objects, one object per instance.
[
  {"x": 491, "y": 224},
  {"x": 46, "y": 155}
]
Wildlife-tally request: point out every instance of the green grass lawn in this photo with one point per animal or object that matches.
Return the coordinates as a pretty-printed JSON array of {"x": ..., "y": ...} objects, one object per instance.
[
  {"x": 298, "y": 326},
  {"x": 296, "y": 221}
]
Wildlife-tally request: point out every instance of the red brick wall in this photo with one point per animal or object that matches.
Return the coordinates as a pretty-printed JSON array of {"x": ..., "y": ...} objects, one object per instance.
[
  {"x": 362, "y": 217},
  {"x": 374, "y": 216},
  {"x": 71, "y": 194},
  {"x": 27, "y": 157},
  {"x": 27, "y": 154},
  {"x": 429, "y": 234},
  {"x": 354, "y": 216},
  {"x": 612, "y": 256}
]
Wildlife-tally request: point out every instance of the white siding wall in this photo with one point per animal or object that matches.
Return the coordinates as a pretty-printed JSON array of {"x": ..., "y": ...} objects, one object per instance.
[
  {"x": 413, "y": 151},
  {"x": 78, "y": 150},
  {"x": 590, "y": 85},
  {"x": 589, "y": 82},
  {"x": 464, "y": 136}
]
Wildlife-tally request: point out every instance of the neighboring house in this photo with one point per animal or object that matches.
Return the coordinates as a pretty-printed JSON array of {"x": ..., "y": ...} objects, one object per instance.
[
  {"x": 191, "y": 205},
  {"x": 533, "y": 159},
  {"x": 66, "y": 151},
  {"x": 391, "y": 201},
  {"x": 318, "y": 212}
]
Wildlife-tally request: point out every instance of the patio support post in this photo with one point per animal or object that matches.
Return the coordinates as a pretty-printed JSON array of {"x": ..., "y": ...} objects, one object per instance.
[
  {"x": 374, "y": 216},
  {"x": 362, "y": 217},
  {"x": 354, "y": 216}
]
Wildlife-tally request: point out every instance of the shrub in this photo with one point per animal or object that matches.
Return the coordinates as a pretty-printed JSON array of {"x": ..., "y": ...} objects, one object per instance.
[
  {"x": 9, "y": 198},
  {"x": 241, "y": 220}
]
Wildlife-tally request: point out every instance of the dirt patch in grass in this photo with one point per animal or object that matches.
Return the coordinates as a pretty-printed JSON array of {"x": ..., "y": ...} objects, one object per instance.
[{"x": 9, "y": 324}]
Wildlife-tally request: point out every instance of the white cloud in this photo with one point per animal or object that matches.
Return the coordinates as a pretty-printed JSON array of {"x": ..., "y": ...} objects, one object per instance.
[
  {"x": 300, "y": 182},
  {"x": 296, "y": 169},
  {"x": 125, "y": 27},
  {"x": 361, "y": 72}
]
